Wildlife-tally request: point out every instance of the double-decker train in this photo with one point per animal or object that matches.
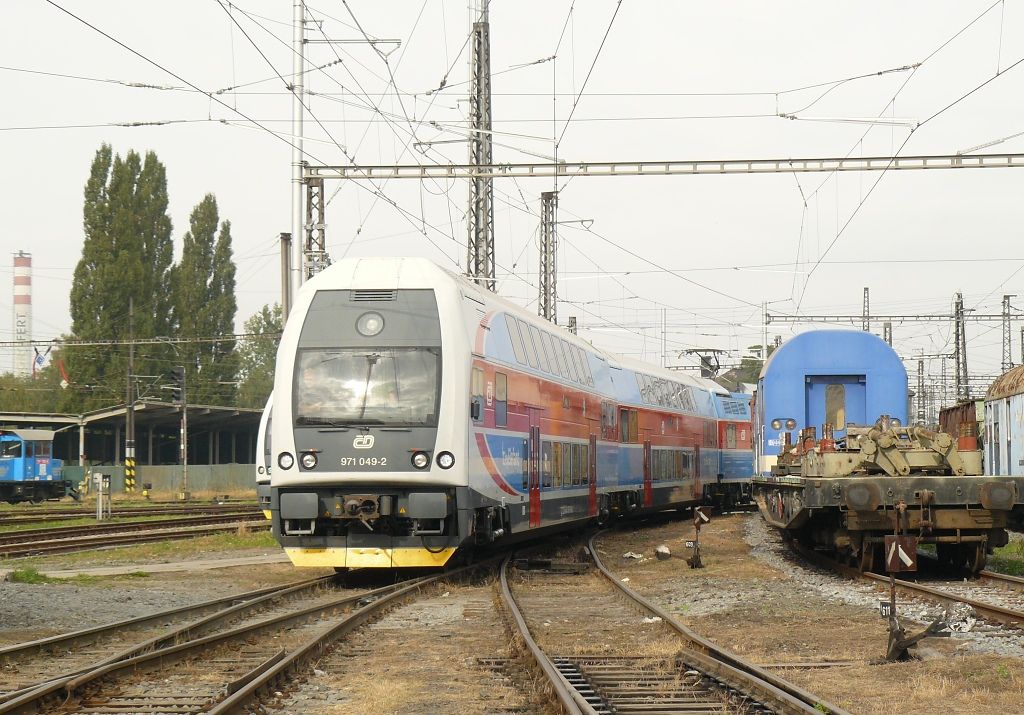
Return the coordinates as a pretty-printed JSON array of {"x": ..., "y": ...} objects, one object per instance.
[
  {"x": 416, "y": 414},
  {"x": 28, "y": 470}
]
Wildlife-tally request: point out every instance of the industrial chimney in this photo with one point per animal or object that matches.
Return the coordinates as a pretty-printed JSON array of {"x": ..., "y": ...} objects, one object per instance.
[{"x": 23, "y": 313}]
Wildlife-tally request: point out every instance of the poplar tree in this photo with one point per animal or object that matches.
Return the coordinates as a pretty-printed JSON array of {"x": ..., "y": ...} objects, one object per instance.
[
  {"x": 257, "y": 356},
  {"x": 204, "y": 306},
  {"x": 126, "y": 254}
]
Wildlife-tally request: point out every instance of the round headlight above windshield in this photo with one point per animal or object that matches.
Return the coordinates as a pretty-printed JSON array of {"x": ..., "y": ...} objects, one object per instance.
[{"x": 370, "y": 324}]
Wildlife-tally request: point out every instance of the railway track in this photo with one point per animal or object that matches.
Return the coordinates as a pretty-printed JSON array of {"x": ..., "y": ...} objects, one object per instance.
[
  {"x": 56, "y": 541},
  {"x": 39, "y": 516},
  {"x": 605, "y": 649},
  {"x": 30, "y": 665},
  {"x": 995, "y": 597},
  {"x": 215, "y": 673}
]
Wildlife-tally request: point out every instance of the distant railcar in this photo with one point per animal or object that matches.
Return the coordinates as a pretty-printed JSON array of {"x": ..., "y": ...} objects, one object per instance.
[
  {"x": 838, "y": 468},
  {"x": 1004, "y": 424},
  {"x": 966, "y": 420},
  {"x": 735, "y": 453},
  {"x": 416, "y": 414},
  {"x": 263, "y": 460},
  {"x": 28, "y": 470}
]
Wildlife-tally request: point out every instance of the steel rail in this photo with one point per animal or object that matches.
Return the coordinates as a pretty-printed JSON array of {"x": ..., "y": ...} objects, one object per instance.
[
  {"x": 65, "y": 546},
  {"x": 67, "y": 686},
  {"x": 42, "y": 516},
  {"x": 991, "y": 611},
  {"x": 572, "y": 701},
  {"x": 227, "y": 607},
  {"x": 241, "y": 695},
  {"x": 768, "y": 688},
  {"x": 64, "y": 532}
]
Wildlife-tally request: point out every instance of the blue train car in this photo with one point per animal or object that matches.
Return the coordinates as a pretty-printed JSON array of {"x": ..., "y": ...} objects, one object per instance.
[
  {"x": 735, "y": 455},
  {"x": 28, "y": 471},
  {"x": 836, "y": 377}
]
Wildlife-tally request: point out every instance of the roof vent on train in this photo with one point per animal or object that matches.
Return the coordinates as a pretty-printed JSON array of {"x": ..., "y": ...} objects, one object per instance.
[{"x": 372, "y": 296}]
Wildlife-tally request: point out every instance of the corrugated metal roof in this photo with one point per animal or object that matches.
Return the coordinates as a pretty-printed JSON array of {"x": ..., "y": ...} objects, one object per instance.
[{"x": 1008, "y": 384}]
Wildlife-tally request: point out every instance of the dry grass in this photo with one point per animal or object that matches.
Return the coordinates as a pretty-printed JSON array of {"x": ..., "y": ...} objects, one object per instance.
[{"x": 974, "y": 684}]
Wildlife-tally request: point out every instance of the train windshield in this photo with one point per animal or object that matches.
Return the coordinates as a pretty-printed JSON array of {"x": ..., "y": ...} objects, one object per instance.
[
  {"x": 368, "y": 386},
  {"x": 10, "y": 449}
]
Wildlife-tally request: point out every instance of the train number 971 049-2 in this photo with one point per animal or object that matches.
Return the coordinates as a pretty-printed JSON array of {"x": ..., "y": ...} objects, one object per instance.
[{"x": 364, "y": 461}]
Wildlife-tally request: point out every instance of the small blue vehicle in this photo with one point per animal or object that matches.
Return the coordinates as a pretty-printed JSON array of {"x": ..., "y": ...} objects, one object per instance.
[{"x": 28, "y": 471}]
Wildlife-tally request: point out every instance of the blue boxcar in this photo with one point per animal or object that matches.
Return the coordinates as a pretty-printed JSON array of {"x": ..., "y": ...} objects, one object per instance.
[
  {"x": 28, "y": 471},
  {"x": 838, "y": 377}
]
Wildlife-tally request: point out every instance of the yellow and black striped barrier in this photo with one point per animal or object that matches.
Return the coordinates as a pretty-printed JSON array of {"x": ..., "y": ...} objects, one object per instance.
[{"x": 129, "y": 475}]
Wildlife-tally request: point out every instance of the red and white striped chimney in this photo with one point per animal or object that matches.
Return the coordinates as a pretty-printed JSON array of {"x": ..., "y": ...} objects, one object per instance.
[{"x": 23, "y": 313}]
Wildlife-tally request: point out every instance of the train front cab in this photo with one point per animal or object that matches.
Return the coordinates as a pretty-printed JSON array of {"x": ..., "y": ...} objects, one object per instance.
[
  {"x": 28, "y": 471},
  {"x": 369, "y": 469}
]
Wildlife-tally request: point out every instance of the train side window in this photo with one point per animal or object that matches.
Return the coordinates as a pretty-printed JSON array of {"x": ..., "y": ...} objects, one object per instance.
[
  {"x": 730, "y": 436},
  {"x": 500, "y": 399},
  {"x": 542, "y": 357},
  {"x": 30, "y": 449},
  {"x": 531, "y": 351},
  {"x": 685, "y": 463},
  {"x": 634, "y": 425},
  {"x": 678, "y": 471},
  {"x": 549, "y": 352},
  {"x": 556, "y": 465},
  {"x": 12, "y": 449},
  {"x": 43, "y": 449},
  {"x": 545, "y": 464},
  {"x": 516, "y": 339},
  {"x": 585, "y": 364},
  {"x": 568, "y": 463},
  {"x": 835, "y": 405},
  {"x": 477, "y": 404},
  {"x": 624, "y": 426}
]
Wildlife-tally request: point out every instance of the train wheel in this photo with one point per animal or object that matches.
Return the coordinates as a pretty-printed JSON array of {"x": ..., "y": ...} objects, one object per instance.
[
  {"x": 868, "y": 554},
  {"x": 976, "y": 558}
]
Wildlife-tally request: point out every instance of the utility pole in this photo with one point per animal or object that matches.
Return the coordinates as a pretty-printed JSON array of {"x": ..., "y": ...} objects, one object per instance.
[
  {"x": 887, "y": 333},
  {"x": 297, "y": 88},
  {"x": 286, "y": 275},
  {"x": 480, "y": 244},
  {"x": 315, "y": 252},
  {"x": 963, "y": 390},
  {"x": 1007, "y": 352},
  {"x": 129, "y": 402},
  {"x": 920, "y": 393},
  {"x": 764, "y": 333},
  {"x": 547, "y": 302},
  {"x": 865, "y": 324}
]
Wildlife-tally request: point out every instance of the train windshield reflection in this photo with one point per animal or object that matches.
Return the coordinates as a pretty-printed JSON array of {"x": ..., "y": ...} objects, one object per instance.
[{"x": 368, "y": 386}]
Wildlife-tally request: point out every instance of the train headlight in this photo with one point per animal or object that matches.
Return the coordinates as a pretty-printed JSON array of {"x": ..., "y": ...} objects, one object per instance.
[
  {"x": 420, "y": 460},
  {"x": 285, "y": 460},
  {"x": 790, "y": 423},
  {"x": 370, "y": 324},
  {"x": 776, "y": 424},
  {"x": 309, "y": 460},
  {"x": 446, "y": 460}
]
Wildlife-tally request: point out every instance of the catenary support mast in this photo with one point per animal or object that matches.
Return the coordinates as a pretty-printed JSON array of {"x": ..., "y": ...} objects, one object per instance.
[{"x": 480, "y": 218}]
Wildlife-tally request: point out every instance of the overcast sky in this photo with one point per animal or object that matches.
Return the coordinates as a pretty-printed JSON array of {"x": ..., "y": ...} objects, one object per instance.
[{"x": 673, "y": 81}]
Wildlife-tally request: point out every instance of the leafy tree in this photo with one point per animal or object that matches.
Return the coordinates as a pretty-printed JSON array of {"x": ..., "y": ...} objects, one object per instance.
[
  {"x": 257, "y": 356},
  {"x": 204, "y": 305},
  {"x": 126, "y": 254}
]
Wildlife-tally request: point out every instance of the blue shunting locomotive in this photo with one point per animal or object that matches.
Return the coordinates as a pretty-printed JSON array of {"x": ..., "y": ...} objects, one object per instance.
[{"x": 28, "y": 471}]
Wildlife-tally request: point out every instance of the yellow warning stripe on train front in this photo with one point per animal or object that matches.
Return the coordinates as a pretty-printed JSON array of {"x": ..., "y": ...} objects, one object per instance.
[{"x": 368, "y": 558}]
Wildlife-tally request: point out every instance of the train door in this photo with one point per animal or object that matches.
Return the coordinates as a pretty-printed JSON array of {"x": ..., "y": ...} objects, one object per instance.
[
  {"x": 534, "y": 453},
  {"x": 837, "y": 400},
  {"x": 592, "y": 477},
  {"x": 997, "y": 446},
  {"x": 648, "y": 486}
]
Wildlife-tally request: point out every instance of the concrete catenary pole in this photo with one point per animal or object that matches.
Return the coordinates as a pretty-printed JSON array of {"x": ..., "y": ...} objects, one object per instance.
[{"x": 298, "y": 113}]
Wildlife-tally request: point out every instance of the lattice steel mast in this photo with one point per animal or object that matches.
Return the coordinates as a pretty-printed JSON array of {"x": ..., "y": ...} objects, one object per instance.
[
  {"x": 547, "y": 302},
  {"x": 1007, "y": 339},
  {"x": 480, "y": 217}
]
